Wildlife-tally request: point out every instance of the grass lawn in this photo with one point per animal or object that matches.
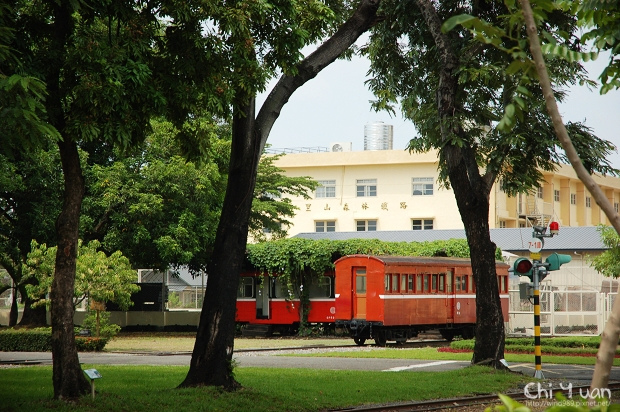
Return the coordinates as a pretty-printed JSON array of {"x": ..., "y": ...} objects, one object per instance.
[{"x": 148, "y": 388}]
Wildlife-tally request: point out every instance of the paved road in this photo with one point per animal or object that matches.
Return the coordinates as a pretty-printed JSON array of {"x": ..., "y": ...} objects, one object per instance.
[{"x": 570, "y": 373}]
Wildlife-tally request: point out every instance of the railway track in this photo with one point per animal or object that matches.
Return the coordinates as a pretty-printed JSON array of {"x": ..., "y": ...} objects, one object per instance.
[{"x": 470, "y": 403}]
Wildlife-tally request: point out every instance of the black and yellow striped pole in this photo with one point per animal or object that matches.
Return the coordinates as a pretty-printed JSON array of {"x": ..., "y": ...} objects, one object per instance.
[{"x": 537, "y": 350}]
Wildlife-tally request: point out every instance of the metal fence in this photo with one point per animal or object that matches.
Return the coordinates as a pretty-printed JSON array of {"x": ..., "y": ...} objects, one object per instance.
[{"x": 562, "y": 313}]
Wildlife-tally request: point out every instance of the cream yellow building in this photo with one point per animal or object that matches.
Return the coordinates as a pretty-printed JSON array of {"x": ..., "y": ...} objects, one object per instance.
[{"x": 384, "y": 190}]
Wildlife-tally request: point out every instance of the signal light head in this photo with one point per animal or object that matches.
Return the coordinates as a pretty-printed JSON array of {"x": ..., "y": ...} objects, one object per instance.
[
  {"x": 523, "y": 265},
  {"x": 554, "y": 228}
]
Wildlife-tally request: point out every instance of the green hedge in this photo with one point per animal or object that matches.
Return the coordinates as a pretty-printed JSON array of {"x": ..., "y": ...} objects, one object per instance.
[
  {"x": 562, "y": 346},
  {"x": 40, "y": 340}
]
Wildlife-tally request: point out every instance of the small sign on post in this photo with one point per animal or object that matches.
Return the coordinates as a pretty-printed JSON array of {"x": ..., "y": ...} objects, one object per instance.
[{"x": 92, "y": 374}]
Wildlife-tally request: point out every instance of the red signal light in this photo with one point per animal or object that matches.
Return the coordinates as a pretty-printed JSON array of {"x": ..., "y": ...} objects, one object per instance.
[
  {"x": 554, "y": 228},
  {"x": 523, "y": 266}
]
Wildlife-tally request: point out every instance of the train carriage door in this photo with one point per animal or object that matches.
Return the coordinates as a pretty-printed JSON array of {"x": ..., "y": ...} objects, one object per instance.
[
  {"x": 262, "y": 297},
  {"x": 450, "y": 296},
  {"x": 359, "y": 293}
]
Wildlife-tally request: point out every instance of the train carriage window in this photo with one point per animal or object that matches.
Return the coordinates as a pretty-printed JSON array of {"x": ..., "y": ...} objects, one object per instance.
[
  {"x": 464, "y": 283},
  {"x": 246, "y": 287},
  {"x": 457, "y": 283},
  {"x": 426, "y": 282},
  {"x": 394, "y": 283},
  {"x": 403, "y": 283},
  {"x": 410, "y": 283},
  {"x": 442, "y": 279},
  {"x": 388, "y": 279},
  {"x": 449, "y": 281},
  {"x": 418, "y": 283},
  {"x": 321, "y": 287},
  {"x": 434, "y": 285}
]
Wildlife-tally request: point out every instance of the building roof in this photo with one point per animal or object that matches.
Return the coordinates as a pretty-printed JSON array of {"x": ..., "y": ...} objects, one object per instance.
[
  {"x": 176, "y": 280},
  {"x": 511, "y": 240}
]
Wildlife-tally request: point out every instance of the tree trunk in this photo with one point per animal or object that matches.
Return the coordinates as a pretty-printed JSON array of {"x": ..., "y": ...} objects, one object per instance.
[
  {"x": 32, "y": 317},
  {"x": 473, "y": 206},
  {"x": 68, "y": 379},
  {"x": 13, "y": 314},
  {"x": 211, "y": 362},
  {"x": 471, "y": 191}
]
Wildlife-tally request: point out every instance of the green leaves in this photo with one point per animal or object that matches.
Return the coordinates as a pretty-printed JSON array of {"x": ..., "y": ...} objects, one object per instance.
[
  {"x": 608, "y": 262},
  {"x": 294, "y": 256},
  {"x": 100, "y": 277},
  {"x": 480, "y": 29},
  {"x": 567, "y": 54}
]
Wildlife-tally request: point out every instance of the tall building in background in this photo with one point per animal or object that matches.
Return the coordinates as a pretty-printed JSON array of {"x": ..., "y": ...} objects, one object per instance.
[{"x": 378, "y": 136}]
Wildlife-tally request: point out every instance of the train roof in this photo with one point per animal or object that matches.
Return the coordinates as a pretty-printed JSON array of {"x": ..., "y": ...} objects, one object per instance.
[{"x": 416, "y": 260}]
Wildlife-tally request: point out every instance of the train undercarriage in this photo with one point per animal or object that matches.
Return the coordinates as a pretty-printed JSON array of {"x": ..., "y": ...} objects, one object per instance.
[{"x": 362, "y": 330}]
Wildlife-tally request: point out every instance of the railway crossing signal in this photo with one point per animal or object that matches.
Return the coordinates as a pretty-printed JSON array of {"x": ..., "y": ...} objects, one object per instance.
[
  {"x": 523, "y": 267},
  {"x": 556, "y": 260},
  {"x": 536, "y": 270}
]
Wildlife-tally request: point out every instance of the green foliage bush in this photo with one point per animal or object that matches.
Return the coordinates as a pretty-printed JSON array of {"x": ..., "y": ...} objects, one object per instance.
[
  {"x": 26, "y": 340},
  {"x": 40, "y": 340},
  {"x": 106, "y": 329},
  {"x": 88, "y": 344},
  {"x": 576, "y": 345}
]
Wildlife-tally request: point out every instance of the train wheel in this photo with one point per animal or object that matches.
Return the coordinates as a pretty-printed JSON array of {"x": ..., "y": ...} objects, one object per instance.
[
  {"x": 447, "y": 334},
  {"x": 359, "y": 341},
  {"x": 468, "y": 333},
  {"x": 380, "y": 339}
]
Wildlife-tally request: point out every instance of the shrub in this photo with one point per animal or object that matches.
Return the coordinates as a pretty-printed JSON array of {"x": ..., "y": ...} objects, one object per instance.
[
  {"x": 26, "y": 340},
  {"x": 88, "y": 344},
  {"x": 106, "y": 329},
  {"x": 40, "y": 340}
]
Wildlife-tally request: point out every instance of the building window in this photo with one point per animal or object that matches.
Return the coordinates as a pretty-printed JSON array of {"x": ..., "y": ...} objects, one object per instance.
[
  {"x": 366, "y": 225},
  {"x": 325, "y": 226},
  {"x": 616, "y": 207},
  {"x": 422, "y": 186},
  {"x": 268, "y": 230},
  {"x": 588, "y": 201},
  {"x": 326, "y": 188},
  {"x": 556, "y": 195},
  {"x": 366, "y": 187},
  {"x": 502, "y": 224},
  {"x": 540, "y": 192},
  {"x": 573, "y": 199},
  {"x": 421, "y": 224}
]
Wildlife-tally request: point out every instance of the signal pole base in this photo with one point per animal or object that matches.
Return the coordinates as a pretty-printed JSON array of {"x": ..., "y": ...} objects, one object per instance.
[{"x": 539, "y": 375}]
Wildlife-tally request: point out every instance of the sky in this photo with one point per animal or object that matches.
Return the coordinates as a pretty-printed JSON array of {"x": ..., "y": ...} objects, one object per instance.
[{"x": 334, "y": 107}]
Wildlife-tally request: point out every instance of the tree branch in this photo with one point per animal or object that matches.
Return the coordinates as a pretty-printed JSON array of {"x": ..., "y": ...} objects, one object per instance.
[
  {"x": 611, "y": 333},
  {"x": 363, "y": 19}
]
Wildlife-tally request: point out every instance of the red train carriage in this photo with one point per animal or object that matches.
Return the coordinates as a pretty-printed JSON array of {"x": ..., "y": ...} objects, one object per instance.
[
  {"x": 394, "y": 298},
  {"x": 265, "y": 300}
]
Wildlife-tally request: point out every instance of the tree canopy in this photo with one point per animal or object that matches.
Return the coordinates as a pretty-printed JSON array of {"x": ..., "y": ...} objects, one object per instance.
[
  {"x": 99, "y": 277},
  {"x": 608, "y": 262}
]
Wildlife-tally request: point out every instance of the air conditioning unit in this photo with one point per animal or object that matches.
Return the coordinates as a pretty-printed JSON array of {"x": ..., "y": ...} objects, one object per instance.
[{"x": 341, "y": 146}]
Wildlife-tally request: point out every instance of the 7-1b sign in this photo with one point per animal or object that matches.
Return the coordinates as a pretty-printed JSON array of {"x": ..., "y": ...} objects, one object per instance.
[{"x": 535, "y": 245}]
